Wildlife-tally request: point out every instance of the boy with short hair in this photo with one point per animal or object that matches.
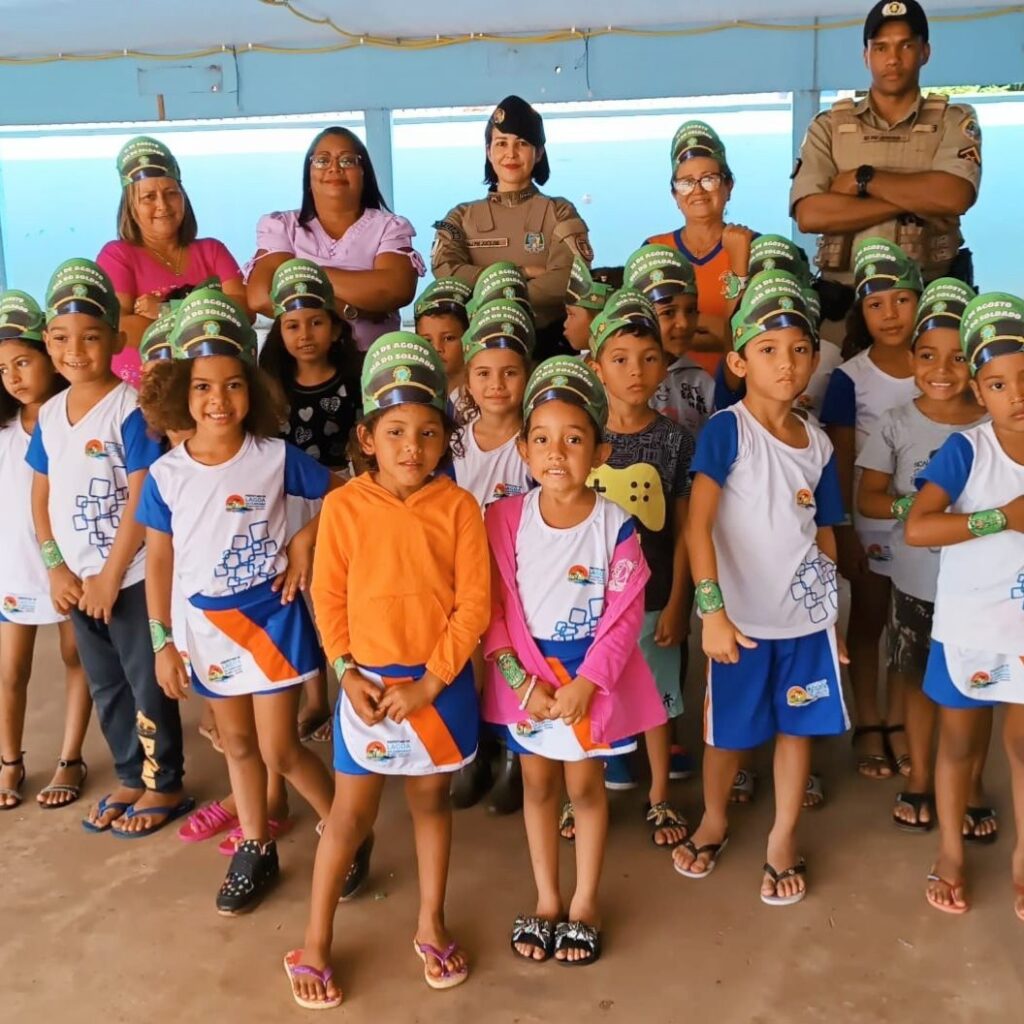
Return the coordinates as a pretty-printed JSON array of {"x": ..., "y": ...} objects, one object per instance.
[
  {"x": 648, "y": 475},
  {"x": 91, "y": 453},
  {"x": 584, "y": 299},
  {"x": 765, "y": 497},
  {"x": 441, "y": 318},
  {"x": 666, "y": 278}
]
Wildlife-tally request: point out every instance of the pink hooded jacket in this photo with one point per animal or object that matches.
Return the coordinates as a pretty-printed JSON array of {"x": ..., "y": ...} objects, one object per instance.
[{"x": 626, "y": 701}]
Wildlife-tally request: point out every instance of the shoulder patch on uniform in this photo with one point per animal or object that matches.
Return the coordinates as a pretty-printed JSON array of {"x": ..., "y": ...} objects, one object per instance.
[
  {"x": 970, "y": 153},
  {"x": 451, "y": 229},
  {"x": 970, "y": 128},
  {"x": 796, "y": 168}
]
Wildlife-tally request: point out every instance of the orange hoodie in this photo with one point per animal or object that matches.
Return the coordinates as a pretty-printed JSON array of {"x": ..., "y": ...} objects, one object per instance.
[{"x": 402, "y": 582}]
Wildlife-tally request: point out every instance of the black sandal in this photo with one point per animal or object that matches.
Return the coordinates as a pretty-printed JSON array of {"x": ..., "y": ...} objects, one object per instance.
[
  {"x": 800, "y": 868},
  {"x": 577, "y": 935},
  {"x": 976, "y": 816},
  {"x": 916, "y": 802},
  {"x": 901, "y": 762},
  {"x": 865, "y": 761},
  {"x": 75, "y": 791},
  {"x": 14, "y": 793},
  {"x": 537, "y": 932},
  {"x": 661, "y": 816}
]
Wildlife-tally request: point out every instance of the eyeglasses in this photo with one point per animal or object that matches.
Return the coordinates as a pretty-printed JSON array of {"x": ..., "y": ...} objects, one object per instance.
[
  {"x": 707, "y": 182},
  {"x": 345, "y": 161}
]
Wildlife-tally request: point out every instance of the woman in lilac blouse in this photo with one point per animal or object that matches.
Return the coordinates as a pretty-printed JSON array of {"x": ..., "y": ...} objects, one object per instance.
[{"x": 345, "y": 227}]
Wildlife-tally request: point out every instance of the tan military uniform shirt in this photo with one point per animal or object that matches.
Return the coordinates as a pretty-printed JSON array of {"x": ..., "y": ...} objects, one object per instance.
[
  {"x": 525, "y": 228},
  {"x": 957, "y": 150}
]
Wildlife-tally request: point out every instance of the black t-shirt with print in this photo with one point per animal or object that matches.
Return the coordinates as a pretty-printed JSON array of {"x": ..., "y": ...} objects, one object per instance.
[{"x": 321, "y": 418}]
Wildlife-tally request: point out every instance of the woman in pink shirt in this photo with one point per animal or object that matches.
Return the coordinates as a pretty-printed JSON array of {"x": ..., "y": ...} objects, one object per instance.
[
  {"x": 157, "y": 256},
  {"x": 345, "y": 227}
]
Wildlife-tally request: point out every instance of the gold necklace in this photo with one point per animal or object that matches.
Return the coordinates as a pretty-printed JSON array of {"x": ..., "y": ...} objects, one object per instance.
[{"x": 173, "y": 265}]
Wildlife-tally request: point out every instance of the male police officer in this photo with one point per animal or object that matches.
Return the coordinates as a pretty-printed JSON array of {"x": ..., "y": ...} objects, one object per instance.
[{"x": 894, "y": 164}]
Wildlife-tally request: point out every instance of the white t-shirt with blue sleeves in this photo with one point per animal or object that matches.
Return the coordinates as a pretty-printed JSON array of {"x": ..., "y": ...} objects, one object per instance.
[
  {"x": 979, "y": 602},
  {"x": 775, "y": 581},
  {"x": 229, "y": 521},
  {"x": 88, "y": 464}
]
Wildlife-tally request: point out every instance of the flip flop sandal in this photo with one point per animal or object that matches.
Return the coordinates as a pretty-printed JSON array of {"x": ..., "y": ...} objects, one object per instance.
[
  {"x": 780, "y": 876},
  {"x": 743, "y": 784},
  {"x": 567, "y": 819},
  {"x": 13, "y": 793},
  {"x": 212, "y": 737},
  {"x": 209, "y": 821},
  {"x": 902, "y": 762},
  {"x": 866, "y": 761},
  {"x": 447, "y": 978},
  {"x": 105, "y": 804},
  {"x": 294, "y": 968},
  {"x": 74, "y": 791},
  {"x": 537, "y": 932},
  {"x": 952, "y": 886},
  {"x": 916, "y": 802},
  {"x": 976, "y": 816},
  {"x": 309, "y": 727},
  {"x": 179, "y": 810},
  {"x": 715, "y": 849},
  {"x": 661, "y": 816},
  {"x": 577, "y": 935},
  {"x": 815, "y": 790}
]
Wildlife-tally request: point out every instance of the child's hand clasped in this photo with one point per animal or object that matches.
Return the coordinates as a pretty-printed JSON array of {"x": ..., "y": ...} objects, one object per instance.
[
  {"x": 404, "y": 699},
  {"x": 671, "y": 628},
  {"x": 572, "y": 701},
  {"x": 65, "y": 589},
  {"x": 99, "y": 595},
  {"x": 171, "y": 673},
  {"x": 541, "y": 701},
  {"x": 364, "y": 696},
  {"x": 722, "y": 640}
]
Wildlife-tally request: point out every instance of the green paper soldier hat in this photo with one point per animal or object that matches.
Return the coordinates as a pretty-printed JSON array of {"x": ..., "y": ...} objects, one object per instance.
[
  {"x": 143, "y": 157},
  {"x": 567, "y": 379},
  {"x": 499, "y": 324},
  {"x": 880, "y": 265},
  {"x": 697, "y": 138},
  {"x": 942, "y": 305},
  {"x": 583, "y": 290},
  {"x": 772, "y": 301},
  {"x": 402, "y": 369},
  {"x": 445, "y": 295},
  {"x": 660, "y": 272},
  {"x": 502, "y": 280},
  {"x": 156, "y": 339},
  {"x": 625, "y": 308},
  {"x": 993, "y": 325},
  {"x": 813, "y": 302},
  {"x": 21, "y": 319},
  {"x": 81, "y": 286},
  {"x": 210, "y": 323},
  {"x": 300, "y": 284},
  {"x": 776, "y": 252}
]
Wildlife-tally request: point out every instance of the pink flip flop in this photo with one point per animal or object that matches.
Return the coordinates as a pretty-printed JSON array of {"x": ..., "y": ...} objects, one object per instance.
[
  {"x": 447, "y": 978},
  {"x": 293, "y": 967},
  {"x": 277, "y": 829},
  {"x": 208, "y": 821}
]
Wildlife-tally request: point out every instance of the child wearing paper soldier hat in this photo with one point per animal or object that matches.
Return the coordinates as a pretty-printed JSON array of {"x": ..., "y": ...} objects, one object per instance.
[
  {"x": 29, "y": 380},
  {"x": 766, "y": 583},
  {"x": 91, "y": 453},
  {"x": 896, "y": 452},
  {"x": 442, "y": 319},
  {"x": 401, "y": 590},
  {"x": 887, "y": 286},
  {"x": 666, "y": 278},
  {"x": 647, "y": 473},
  {"x": 971, "y": 505},
  {"x": 214, "y": 509},
  {"x": 567, "y": 681},
  {"x": 584, "y": 299}
]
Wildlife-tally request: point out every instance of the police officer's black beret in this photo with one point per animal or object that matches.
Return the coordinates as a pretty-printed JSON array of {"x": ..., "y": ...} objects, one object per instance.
[
  {"x": 514, "y": 116},
  {"x": 909, "y": 11}
]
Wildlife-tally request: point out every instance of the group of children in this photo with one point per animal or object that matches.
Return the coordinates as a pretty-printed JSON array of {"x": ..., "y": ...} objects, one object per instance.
[{"x": 512, "y": 552}]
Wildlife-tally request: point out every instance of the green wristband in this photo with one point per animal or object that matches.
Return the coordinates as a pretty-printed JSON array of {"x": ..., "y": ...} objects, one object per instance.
[
  {"x": 342, "y": 665},
  {"x": 512, "y": 669},
  {"x": 987, "y": 522},
  {"x": 159, "y": 634},
  {"x": 709, "y": 596},
  {"x": 900, "y": 507},
  {"x": 51, "y": 554}
]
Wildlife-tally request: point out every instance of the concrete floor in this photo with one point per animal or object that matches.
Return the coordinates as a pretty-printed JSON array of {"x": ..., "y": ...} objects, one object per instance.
[{"x": 95, "y": 929}]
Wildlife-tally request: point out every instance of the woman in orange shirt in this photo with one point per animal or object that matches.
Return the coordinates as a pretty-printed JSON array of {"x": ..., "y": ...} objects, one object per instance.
[{"x": 702, "y": 184}]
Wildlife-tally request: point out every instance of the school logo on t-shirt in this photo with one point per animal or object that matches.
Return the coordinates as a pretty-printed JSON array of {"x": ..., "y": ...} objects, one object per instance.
[
  {"x": 13, "y": 604},
  {"x": 585, "y": 576},
  {"x": 502, "y": 490},
  {"x": 804, "y": 498},
  {"x": 95, "y": 449},
  {"x": 245, "y": 503}
]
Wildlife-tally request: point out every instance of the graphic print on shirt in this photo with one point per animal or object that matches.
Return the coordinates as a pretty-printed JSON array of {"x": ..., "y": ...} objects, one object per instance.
[
  {"x": 98, "y": 511},
  {"x": 816, "y": 587},
  {"x": 250, "y": 559},
  {"x": 581, "y": 621},
  {"x": 636, "y": 489}
]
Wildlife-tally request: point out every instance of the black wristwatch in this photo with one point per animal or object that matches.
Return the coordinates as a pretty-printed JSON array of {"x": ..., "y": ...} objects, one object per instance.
[{"x": 864, "y": 175}]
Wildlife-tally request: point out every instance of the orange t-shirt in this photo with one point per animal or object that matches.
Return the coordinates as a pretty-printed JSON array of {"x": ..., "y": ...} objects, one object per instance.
[{"x": 709, "y": 271}]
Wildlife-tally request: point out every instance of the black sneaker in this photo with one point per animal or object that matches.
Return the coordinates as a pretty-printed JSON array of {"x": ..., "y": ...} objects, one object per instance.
[
  {"x": 507, "y": 795},
  {"x": 471, "y": 782},
  {"x": 360, "y": 869},
  {"x": 253, "y": 869}
]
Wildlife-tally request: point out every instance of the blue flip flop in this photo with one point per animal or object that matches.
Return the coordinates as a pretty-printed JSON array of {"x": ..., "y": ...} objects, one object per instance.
[
  {"x": 103, "y": 806},
  {"x": 172, "y": 813}
]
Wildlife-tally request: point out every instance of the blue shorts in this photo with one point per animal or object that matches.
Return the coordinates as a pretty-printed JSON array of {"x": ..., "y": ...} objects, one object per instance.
[
  {"x": 789, "y": 686},
  {"x": 939, "y": 685}
]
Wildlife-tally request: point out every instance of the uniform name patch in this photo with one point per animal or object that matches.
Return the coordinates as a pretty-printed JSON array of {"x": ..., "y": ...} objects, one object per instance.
[{"x": 487, "y": 243}]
